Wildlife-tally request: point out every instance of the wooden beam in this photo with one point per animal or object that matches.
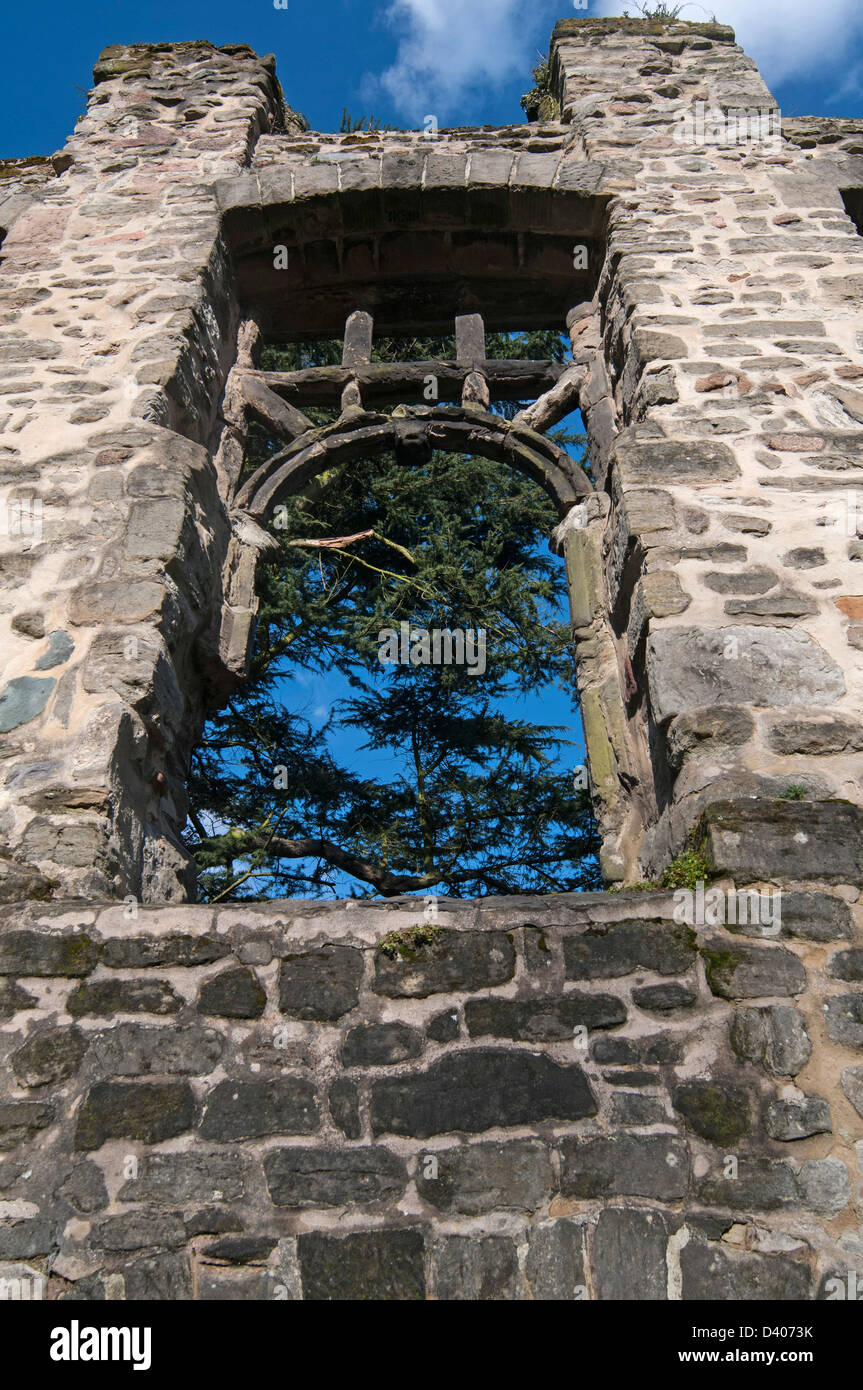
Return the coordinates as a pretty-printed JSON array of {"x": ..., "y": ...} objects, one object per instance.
[
  {"x": 270, "y": 409},
  {"x": 357, "y": 349},
  {"x": 413, "y": 382},
  {"x": 469, "y": 340}
]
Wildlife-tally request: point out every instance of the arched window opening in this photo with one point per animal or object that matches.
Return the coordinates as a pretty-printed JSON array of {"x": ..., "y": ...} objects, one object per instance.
[{"x": 409, "y": 723}]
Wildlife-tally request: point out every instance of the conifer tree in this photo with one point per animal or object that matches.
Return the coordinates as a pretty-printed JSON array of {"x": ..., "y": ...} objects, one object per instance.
[{"x": 457, "y": 794}]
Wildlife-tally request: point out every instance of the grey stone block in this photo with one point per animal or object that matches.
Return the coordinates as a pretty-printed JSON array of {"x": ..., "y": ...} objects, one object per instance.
[
  {"x": 21, "y": 1240},
  {"x": 665, "y": 999},
  {"x": 738, "y": 971},
  {"x": 60, "y": 648},
  {"x": 138, "y": 952},
  {"x": 761, "y": 1184},
  {"x": 625, "y": 947},
  {"x": 68, "y": 954},
  {"x": 254, "y": 1109},
  {"x": 137, "y": 1049},
  {"x": 843, "y": 1015},
  {"x": 629, "y": 1256},
  {"x": 21, "y": 1120},
  {"x": 376, "y": 1044},
  {"x": 775, "y": 1036},
  {"x": 49, "y": 1056},
  {"x": 624, "y": 1165},
  {"x": 615, "y": 1049},
  {"x": 715, "y": 1274},
  {"x": 474, "y": 1178},
  {"x": 158, "y": 1278},
  {"x": 234, "y": 993},
  {"x": 321, "y": 984},
  {"x": 475, "y": 1268},
  {"x": 633, "y": 1108},
  {"x": 241, "y": 1250},
  {"x": 665, "y": 461},
  {"x": 852, "y": 1085},
  {"x": 537, "y": 1020},
  {"x": 345, "y": 1107},
  {"x": 366, "y": 1266},
  {"x": 443, "y": 1027},
  {"x": 149, "y": 1111},
  {"x": 23, "y": 699},
  {"x": 717, "y": 1110},
  {"x": 847, "y": 965},
  {"x": 702, "y": 667},
  {"x": 825, "y": 1186},
  {"x": 813, "y": 916},
  {"x": 194, "y": 1176},
  {"x": 114, "y": 996},
  {"x": 797, "y": 1119},
  {"x": 14, "y": 999},
  {"x": 304, "y": 1177},
  {"x": 138, "y": 1230},
  {"x": 452, "y": 961},
  {"x": 234, "y": 1286},
  {"x": 554, "y": 1268},
  {"x": 480, "y": 1089},
  {"x": 84, "y": 1188}
]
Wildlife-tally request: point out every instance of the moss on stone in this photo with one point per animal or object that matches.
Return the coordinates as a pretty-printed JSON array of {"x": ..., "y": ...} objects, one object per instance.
[
  {"x": 719, "y": 966},
  {"x": 408, "y": 944},
  {"x": 599, "y": 28},
  {"x": 717, "y": 1112}
]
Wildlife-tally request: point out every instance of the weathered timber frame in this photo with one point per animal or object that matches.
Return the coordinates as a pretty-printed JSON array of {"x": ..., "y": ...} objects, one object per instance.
[{"x": 414, "y": 431}]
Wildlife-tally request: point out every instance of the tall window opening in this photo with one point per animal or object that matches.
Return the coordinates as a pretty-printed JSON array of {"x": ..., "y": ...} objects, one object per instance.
[{"x": 410, "y": 722}]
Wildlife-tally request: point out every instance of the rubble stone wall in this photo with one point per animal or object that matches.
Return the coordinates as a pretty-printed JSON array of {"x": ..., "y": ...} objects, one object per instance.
[
  {"x": 119, "y": 327},
  {"x": 567, "y": 1097},
  {"x": 720, "y": 628}
]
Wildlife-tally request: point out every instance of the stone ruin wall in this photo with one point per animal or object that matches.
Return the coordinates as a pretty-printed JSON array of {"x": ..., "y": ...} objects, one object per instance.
[
  {"x": 541, "y": 1103},
  {"x": 712, "y": 586}
]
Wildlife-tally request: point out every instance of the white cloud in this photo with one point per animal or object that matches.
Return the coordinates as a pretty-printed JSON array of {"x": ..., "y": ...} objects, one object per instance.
[
  {"x": 787, "y": 38},
  {"x": 850, "y": 90},
  {"x": 449, "y": 49}
]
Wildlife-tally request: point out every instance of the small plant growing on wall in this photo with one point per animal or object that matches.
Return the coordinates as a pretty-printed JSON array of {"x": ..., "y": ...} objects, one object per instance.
[
  {"x": 795, "y": 791},
  {"x": 686, "y": 870},
  {"x": 660, "y": 11},
  {"x": 540, "y": 104},
  {"x": 663, "y": 12}
]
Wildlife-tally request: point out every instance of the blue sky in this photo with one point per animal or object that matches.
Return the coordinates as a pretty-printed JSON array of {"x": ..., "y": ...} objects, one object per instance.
[
  {"x": 465, "y": 61},
  {"x": 314, "y": 696}
]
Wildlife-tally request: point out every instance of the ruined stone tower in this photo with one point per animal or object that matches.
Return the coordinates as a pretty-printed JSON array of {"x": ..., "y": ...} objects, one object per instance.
[{"x": 706, "y": 262}]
